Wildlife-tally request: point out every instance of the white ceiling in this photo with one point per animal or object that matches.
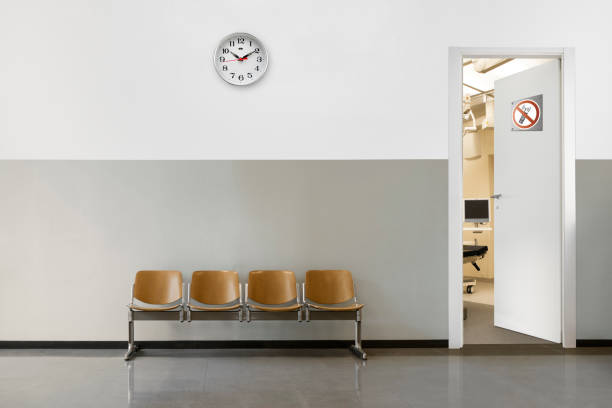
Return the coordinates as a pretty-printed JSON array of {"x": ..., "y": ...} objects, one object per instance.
[{"x": 485, "y": 82}]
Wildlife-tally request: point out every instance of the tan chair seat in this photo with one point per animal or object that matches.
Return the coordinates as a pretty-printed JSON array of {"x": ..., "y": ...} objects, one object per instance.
[
  {"x": 215, "y": 309},
  {"x": 349, "y": 308},
  {"x": 290, "y": 308},
  {"x": 153, "y": 309}
]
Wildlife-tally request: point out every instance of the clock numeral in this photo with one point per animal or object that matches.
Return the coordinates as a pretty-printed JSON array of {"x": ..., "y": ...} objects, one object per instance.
[
  {"x": 256, "y": 50},
  {"x": 233, "y": 74},
  {"x": 226, "y": 50},
  {"x": 240, "y": 40},
  {"x": 257, "y": 68},
  {"x": 241, "y": 77},
  {"x": 225, "y": 67},
  {"x": 249, "y": 75},
  {"x": 259, "y": 59},
  {"x": 250, "y": 43},
  {"x": 222, "y": 59},
  {"x": 232, "y": 43}
]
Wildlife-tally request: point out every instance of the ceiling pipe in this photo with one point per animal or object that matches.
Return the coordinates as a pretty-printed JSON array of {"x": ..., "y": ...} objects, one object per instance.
[{"x": 474, "y": 88}]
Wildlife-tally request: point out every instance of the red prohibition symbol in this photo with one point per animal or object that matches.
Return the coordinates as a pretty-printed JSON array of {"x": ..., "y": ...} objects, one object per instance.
[{"x": 526, "y": 114}]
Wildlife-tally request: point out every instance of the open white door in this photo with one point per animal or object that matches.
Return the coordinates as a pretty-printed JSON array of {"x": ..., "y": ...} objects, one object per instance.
[{"x": 528, "y": 212}]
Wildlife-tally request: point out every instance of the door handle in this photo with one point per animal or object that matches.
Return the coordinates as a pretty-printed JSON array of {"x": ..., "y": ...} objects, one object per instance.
[{"x": 496, "y": 196}]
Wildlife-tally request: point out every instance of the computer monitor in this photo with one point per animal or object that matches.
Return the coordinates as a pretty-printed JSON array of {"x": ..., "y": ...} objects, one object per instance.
[{"x": 476, "y": 210}]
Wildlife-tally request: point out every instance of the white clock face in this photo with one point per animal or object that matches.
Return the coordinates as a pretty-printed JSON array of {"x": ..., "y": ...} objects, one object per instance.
[{"x": 241, "y": 59}]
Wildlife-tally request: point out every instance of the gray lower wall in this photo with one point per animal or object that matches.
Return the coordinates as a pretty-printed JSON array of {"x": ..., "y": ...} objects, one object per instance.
[
  {"x": 74, "y": 233},
  {"x": 594, "y": 249}
]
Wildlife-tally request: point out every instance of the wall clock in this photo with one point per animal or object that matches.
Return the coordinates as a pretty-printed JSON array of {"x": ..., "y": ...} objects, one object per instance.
[{"x": 241, "y": 59}]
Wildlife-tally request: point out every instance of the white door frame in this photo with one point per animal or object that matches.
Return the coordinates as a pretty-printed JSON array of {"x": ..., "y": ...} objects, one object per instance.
[{"x": 455, "y": 184}]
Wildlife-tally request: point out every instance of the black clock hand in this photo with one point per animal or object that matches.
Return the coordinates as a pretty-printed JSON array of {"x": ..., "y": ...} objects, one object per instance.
[
  {"x": 235, "y": 55},
  {"x": 249, "y": 54}
]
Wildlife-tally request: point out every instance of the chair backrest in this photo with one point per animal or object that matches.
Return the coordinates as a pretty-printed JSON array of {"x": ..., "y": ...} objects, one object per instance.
[
  {"x": 272, "y": 287},
  {"x": 158, "y": 287},
  {"x": 329, "y": 286},
  {"x": 215, "y": 287}
]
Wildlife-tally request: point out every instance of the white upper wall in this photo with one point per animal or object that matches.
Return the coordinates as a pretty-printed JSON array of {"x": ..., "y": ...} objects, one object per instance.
[{"x": 133, "y": 79}]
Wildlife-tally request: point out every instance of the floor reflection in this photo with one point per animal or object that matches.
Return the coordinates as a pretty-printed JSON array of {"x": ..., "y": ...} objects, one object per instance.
[
  {"x": 231, "y": 375},
  {"x": 517, "y": 376}
]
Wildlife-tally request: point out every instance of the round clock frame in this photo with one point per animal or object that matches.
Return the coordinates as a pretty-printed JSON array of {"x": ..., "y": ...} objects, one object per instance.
[{"x": 247, "y": 70}]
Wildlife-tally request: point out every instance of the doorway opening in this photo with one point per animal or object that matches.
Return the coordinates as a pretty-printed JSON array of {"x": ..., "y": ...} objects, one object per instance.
[
  {"x": 481, "y": 199},
  {"x": 511, "y": 197}
]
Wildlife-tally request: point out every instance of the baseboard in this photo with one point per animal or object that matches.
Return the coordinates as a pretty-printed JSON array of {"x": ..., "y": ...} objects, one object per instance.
[
  {"x": 594, "y": 343},
  {"x": 222, "y": 344},
  {"x": 62, "y": 344},
  {"x": 405, "y": 343}
]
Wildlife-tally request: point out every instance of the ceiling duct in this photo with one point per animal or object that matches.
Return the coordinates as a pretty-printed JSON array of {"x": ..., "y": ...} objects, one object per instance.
[{"x": 484, "y": 65}]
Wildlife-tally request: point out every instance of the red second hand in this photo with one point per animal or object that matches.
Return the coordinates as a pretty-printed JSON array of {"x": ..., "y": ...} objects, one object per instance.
[{"x": 239, "y": 59}]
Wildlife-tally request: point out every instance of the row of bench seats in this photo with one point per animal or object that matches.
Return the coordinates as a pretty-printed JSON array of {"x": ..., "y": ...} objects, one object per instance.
[{"x": 268, "y": 295}]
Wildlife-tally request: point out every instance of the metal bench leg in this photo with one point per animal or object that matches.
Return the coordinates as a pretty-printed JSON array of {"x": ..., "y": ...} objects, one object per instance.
[
  {"x": 356, "y": 348},
  {"x": 131, "y": 346}
]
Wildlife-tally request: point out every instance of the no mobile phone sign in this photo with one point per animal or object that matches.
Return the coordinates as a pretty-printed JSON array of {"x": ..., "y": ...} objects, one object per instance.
[{"x": 527, "y": 113}]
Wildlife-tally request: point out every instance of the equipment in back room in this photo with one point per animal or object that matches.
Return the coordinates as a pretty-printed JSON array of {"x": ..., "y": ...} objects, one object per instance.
[
  {"x": 489, "y": 119},
  {"x": 476, "y": 210},
  {"x": 472, "y": 254},
  {"x": 471, "y": 138}
]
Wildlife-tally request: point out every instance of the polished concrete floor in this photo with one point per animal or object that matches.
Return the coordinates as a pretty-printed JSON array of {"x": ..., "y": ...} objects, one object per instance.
[{"x": 485, "y": 376}]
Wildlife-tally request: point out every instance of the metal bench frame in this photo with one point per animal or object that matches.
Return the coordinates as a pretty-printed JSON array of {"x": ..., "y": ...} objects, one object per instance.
[
  {"x": 243, "y": 313},
  {"x": 317, "y": 314},
  {"x": 176, "y": 314}
]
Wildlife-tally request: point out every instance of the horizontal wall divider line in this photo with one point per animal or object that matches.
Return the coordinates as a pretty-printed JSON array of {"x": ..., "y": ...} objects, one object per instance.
[
  {"x": 221, "y": 344},
  {"x": 594, "y": 343}
]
